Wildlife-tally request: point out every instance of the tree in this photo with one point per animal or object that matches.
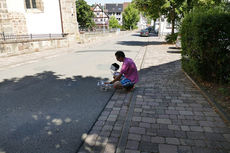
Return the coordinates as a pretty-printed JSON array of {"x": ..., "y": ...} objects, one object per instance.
[
  {"x": 152, "y": 8},
  {"x": 130, "y": 17},
  {"x": 155, "y": 8},
  {"x": 84, "y": 14},
  {"x": 172, "y": 11},
  {"x": 113, "y": 23}
]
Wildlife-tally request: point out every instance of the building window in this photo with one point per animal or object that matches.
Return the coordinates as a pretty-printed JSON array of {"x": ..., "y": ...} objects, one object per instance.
[
  {"x": 34, "y": 6},
  {"x": 31, "y": 4}
]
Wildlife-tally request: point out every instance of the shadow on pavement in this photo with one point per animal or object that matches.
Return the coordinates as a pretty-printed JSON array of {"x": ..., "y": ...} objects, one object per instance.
[
  {"x": 46, "y": 113},
  {"x": 139, "y": 43},
  {"x": 97, "y": 142},
  {"x": 173, "y": 48},
  {"x": 174, "y": 52},
  {"x": 99, "y": 51}
]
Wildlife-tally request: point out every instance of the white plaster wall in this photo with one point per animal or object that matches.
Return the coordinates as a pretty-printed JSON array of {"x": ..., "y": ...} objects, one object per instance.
[{"x": 45, "y": 22}]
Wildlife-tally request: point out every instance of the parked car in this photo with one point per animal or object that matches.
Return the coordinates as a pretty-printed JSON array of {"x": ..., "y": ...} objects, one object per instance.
[
  {"x": 144, "y": 33},
  {"x": 150, "y": 29}
]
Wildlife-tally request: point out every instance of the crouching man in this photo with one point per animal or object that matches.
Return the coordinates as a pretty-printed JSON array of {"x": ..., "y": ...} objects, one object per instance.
[{"x": 128, "y": 75}]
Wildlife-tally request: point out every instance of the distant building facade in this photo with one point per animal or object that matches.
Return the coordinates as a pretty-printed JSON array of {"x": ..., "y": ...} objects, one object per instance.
[
  {"x": 38, "y": 16},
  {"x": 101, "y": 18},
  {"x": 115, "y": 10},
  {"x": 23, "y": 17}
]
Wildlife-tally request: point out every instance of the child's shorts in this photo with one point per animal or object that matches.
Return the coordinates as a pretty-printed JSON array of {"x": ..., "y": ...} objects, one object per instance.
[{"x": 126, "y": 83}]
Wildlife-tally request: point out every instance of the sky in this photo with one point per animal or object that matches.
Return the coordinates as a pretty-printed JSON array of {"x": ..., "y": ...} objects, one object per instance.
[{"x": 90, "y": 2}]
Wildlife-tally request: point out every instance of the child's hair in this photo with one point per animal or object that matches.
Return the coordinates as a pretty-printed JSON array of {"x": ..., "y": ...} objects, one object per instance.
[{"x": 116, "y": 66}]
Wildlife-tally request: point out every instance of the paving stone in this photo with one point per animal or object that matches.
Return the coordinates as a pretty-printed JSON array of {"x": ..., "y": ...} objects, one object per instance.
[
  {"x": 188, "y": 142},
  {"x": 165, "y": 133},
  {"x": 202, "y": 150},
  {"x": 164, "y": 121},
  {"x": 172, "y": 112},
  {"x": 136, "y": 119},
  {"x": 164, "y": 116},
  {"x": 196, "y": 128},
  {"x": 173, "y": 127},
  {"x": 146, "y": 138},
  {"x": 227, "y": 137},
  {"x": 174, "y": 117},
  {"x": 135, "y": 124},
  {"x": 145, "y": 125},
  {"x": 148, "y": 120},
  {"x": 180, "y": 134},
  {"x": 190, "y": 122},
  {"x": 132, "y": 151},
  {"x": 136, "y": 137},
  {"x": 139, "y": 110},
  {"x": 186, "y": 113},
  {"x": 157, "y": 139},
  {"x": 195, "y": 135},
  {"x": 163, "y": 126},
  {"x": 173, "y": 141},
  {"x": 163, "y": 148},
  {"x": 208, "y": 129},
  {"x": 214, "y": 137},
  {"x": 185, "y": 128},
  {"x": 137, "y": 130},
  {"x": 200, "y": 143},
  {"x": 107, "y": 128},
  {"x": 113, "y": 140},
  {"x": 132, "y": 145},
  {"x": 184, "y": 149},
  {"x": 148, "y": 147}
]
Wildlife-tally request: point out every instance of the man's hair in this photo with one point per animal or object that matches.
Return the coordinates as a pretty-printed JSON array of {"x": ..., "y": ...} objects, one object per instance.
[{"x": 120, "y": 54}]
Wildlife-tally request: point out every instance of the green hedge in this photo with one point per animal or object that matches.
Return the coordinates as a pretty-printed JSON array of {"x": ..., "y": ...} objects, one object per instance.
[{"x": 205, "y": 40}]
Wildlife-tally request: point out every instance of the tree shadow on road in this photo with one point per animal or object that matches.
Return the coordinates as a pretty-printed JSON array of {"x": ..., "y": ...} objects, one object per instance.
[
  {"x": 46, "y": 112},
  {"x": 139, "y": 43}
]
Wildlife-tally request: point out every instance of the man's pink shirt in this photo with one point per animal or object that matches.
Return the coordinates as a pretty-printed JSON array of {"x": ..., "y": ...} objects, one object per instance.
[{"x": 129, "y": 70}]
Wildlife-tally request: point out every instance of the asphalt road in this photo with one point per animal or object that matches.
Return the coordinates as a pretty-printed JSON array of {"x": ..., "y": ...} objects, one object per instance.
[{"x": 46, "y": 106}]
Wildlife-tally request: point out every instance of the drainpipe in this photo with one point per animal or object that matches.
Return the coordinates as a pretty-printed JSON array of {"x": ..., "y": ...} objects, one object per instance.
[{"x": 61, "y": 18}]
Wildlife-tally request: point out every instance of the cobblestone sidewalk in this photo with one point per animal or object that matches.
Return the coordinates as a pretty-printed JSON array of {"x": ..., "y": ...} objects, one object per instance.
[{"x": 164, "y": 114}]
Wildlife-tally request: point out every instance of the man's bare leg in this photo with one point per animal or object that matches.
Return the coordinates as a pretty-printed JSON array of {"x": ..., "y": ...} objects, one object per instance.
[{"x": 117, "y": 85}]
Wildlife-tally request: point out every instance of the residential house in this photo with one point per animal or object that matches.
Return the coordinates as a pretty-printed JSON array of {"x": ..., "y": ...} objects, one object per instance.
[
  {"x": 36, "y": 17},
  {"x": 101, "y": 18},
  {"x": 125, "y": 5},
  {"x": 163, "y": 27},
  {"x": 115, "y": 9}
]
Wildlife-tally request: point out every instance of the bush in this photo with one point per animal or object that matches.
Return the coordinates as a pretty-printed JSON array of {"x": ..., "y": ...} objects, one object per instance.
[
  {"x": 171, "y": 38},
  {"x": 205, "y": 40}
]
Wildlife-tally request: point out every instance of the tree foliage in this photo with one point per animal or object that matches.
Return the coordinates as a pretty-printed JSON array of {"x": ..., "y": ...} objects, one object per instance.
[
  {"x": 151, "y": 7},
  {"x": 84, "y": 14},
  {"x": 130, "y": 17},
  {"x": 173, "y": 10},
  {"x": 113, "y": 23}
]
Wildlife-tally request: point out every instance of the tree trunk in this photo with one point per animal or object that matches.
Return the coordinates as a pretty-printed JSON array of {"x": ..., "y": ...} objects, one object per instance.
[
  {"x": 173, "y": 26},
  {"x": 173, "y": 21}
]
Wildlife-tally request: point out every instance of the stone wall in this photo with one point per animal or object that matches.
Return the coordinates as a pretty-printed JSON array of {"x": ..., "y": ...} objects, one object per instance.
[
  {"x": 26, "y": 46},
  {"x": 11, "y": 22},
  {"x": 69, "y": 18}
]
